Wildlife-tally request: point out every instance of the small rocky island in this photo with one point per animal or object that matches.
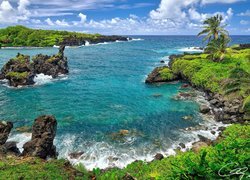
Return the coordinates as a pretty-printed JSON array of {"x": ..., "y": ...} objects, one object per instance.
[{"x": 21, "y": 71}]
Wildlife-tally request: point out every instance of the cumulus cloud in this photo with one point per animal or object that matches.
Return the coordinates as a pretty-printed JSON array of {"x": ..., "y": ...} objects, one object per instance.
[
  {"x": 247, "y": 13},
  {"x": 49, "y": 22},
  {"x": 10, "y": 14}
]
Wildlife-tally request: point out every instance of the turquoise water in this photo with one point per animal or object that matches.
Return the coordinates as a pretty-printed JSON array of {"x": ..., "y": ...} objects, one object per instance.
[{"x": 104, "y": 93}]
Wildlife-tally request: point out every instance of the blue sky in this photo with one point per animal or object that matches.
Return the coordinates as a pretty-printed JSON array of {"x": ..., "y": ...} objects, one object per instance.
[{"x": 148, "y": 17}]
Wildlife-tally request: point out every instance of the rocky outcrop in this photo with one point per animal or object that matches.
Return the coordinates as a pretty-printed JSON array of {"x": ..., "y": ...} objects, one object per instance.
[
  {"x": 20, "y": 71},
  {"x": 51, "y": 65},
  {"x": 43, "y": 134},
  {"x": 5, "y": 128},
  {"x": 161, "y": 74},
  {"x": 204, "y": 109}
]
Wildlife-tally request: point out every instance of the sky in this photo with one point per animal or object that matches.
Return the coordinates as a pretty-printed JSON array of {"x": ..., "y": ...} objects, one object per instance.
[{"x": 126, "y": 17}]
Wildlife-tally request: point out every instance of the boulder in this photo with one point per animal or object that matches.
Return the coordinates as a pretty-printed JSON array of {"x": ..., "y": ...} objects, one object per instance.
[
  {"x": 158, "y": 156},
  {"x": 198, "y": 145},
  {"x": 162, "y": 61},
  {"x": 204, "y": 139},
  {"x": 5, "y": 128},
  {"x": 11, "y": 148},
  {"x": 182, "y": 145},
  {"x": 43, "y": 134},
  {"x": 204, "y": 109}
]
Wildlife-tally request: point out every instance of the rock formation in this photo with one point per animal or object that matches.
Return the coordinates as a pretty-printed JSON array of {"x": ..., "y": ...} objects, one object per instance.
[
  {"x": 43, "y": 134},
  {"x": 5, "y": 128},
  {"x": 161, "y": 74},
  {"x": 20, "y": 71}
]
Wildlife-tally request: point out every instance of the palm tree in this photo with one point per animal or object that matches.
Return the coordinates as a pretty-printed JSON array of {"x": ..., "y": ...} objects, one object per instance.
[
  {"x": 217, "y": 48},
  {"x": 213, "y": 28}
]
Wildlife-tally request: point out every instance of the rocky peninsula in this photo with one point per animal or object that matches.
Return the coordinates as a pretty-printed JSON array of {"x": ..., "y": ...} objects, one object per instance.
[
  {"x": 226, "y": 85},
  {"x": 20, "y": 71}
]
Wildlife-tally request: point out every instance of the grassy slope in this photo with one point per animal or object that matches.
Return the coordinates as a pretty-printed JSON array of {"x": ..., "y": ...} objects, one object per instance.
[
  {"x": 22, "y": 36},
  {"x": 233, "y": 146}
]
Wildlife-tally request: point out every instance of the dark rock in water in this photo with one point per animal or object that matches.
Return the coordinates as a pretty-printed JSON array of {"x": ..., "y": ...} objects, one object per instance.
[
  {"x": 204, "y": 109},
  {"x": 11, "y": 148},
  {"x": 184, "y": 86},
  {"x": 204, "y": 139},
  {"x": 158, "y": 156},
  {"x": 128, "y": 177},
  {"x": 221, "y": 128},
  {"x": 5, "y": 128},
  {"x": 182, "y": 145},
  {"x": 198, "y": 145},
  {"x": 162, "y": 61},
  {"x": 213, "y": 132},
  {"x": 43, "y": 134},
  {"x": 161, "y": 74},
  {"x": 20, "y": 71},
  {"x": 51, "y": 65},
  {"x": 76, "y": 155}
]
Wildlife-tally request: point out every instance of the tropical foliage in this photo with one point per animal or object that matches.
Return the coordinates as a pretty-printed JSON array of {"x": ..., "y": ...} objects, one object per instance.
[
  {"x": 217, "y": 37},
  {"x": 15, "y": 36}
]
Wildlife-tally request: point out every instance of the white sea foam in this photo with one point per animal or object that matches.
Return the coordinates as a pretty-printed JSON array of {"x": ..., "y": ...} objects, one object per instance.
[
  {"x": 20, "y": 138},
  {"x": 41, "y": 79},
  {"x": 190, "y": 49},
  {"x": 137, "y": 39}
]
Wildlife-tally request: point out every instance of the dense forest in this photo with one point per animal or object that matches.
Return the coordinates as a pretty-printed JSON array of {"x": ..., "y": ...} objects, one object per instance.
[{"x": 16, "y": 36}]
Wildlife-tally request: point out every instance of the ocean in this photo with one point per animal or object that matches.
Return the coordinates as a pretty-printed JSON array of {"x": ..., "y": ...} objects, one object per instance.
[{"x": 105, "y": 93}]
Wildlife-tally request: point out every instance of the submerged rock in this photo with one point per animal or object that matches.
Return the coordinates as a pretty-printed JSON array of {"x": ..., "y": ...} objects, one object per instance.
[
  {"x": 20, "y": 71},
  {"x": 43, "y": 134},
  {"x": 5, "y": 128}
]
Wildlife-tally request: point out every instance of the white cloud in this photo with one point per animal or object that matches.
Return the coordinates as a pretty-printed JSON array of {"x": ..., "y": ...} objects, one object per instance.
[
  {"x": 83, "y": 18},
  {"x": 247, "y": 13},
  {"x": 49, "y": 22},
  {"x": 220, "y": 1},
  {"x": 10, "y": 14},
  {"x": 61, "y": 23},
  {"x": 243, "y": 22}
]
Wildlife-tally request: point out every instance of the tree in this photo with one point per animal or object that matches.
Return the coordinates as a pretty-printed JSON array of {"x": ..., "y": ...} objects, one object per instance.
[
  {"x": 213, "y": 28},
  {"x": 217, "y": 48}
]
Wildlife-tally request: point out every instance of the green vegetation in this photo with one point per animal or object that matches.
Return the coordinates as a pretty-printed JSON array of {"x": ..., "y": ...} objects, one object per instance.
[
  {"x": 233, "y": 151},
  {"x": 35, "y": 168},
  {"x": 17, "y": 75},
  {"x": 15, "y": 36},
  {"x": 166, "y": 74},
  {"x": 217, "y": 37},
  {"x": 229, "y": 77},
  {"x": 213, "y": 28}
]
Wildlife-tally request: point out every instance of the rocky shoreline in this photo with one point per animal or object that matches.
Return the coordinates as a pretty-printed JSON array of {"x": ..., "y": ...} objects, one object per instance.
[{"x": 224, "y": 110}]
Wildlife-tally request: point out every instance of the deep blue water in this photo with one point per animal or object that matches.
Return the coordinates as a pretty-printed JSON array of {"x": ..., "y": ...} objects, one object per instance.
[{"x": 104, "y": 93}]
